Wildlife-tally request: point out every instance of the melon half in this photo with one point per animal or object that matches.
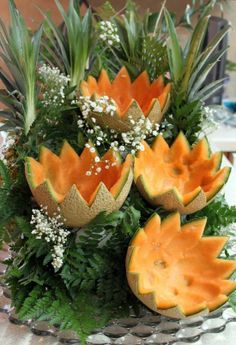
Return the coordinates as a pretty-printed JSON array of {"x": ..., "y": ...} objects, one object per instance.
[
  {"x": 140, "y": 99},
  {"x": 179, "y": 177},
  {"x": 175, "y": 271},
  {"x": 79, "y": 187}
]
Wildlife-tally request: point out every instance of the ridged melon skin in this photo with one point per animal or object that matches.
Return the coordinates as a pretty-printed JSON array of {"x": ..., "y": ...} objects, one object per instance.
[
  {"x": 149, "y": 299},
  {"x": 124, "y": 122},
  {"x": 73, "y": 208},
  {"x": 134, "y": 113},
  {"x": 171, "y": 199}
]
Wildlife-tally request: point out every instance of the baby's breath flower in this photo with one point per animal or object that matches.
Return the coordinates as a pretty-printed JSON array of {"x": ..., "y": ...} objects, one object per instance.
[
  {"x": 108, "y": 33},
  {"x": 51, "y": 229},
  {"x": 54, "y": 84},
  {"x": 209, "y": 124},
  {"x": 7, "y": 145}
]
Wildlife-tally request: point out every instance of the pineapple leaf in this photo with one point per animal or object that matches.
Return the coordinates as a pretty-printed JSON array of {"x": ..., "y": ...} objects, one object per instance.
[
  {"x": 70, "y": 45},
  {"x": 209, "y": 90},
  {"x": 173, "y": 49},
  {"x": 196, "y": 84},
  {"x": 20, "y": 52},
  {"x": 201, "y": 73},
  {"x": 194, "y": 48},
  {"x": 204, "y": 56}
]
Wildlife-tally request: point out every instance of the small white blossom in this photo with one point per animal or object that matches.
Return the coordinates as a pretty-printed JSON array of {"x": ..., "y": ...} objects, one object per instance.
[
  {"x": 53, "y": 85},
  {"x": 8, "y": 143},
  {"x": 209, "y": 124},
  {"x": 51, "y": 229},
  {"x": 108, "y": 33}
]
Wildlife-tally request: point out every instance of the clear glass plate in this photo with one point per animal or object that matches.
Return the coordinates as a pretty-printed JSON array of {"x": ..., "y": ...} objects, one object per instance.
[{"x": 150, "y": 328}]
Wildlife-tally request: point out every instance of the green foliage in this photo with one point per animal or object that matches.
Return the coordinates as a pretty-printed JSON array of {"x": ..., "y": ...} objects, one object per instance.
[
  {"x": 140, "y": 48},
  {"x": 184, "y": 116},
  {"x": 219, "y": 215},
  {"x": 20, "y": 53},
  {"x": 97, "y": 260},
  {"x": 14, "y": 201},
  {"x": 174, "y": 49},
  {"x": 69, "y": 46},
  {"x": 189, "y": 69},
  {"x": 90, "y": 287}
]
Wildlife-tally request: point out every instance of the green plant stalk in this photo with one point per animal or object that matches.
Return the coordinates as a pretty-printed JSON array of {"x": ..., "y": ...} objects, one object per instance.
[
  {"x": 195, "y": 44},
  {"x": 30, "y": 111},
  {"x": 174, "y": 49}
]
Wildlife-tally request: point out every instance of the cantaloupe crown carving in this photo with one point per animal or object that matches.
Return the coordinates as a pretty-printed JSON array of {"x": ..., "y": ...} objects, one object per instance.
[
  {"x": 80, "y": 186},
  {"x": 140, "y": 99},
  {"x": 179, "y": 177},
  {"x": 175, "y": 271}
]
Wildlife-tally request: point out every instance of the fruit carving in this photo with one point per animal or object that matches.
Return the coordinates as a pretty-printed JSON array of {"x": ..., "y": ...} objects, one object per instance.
[
  {"x": 133, "y": 101},
  {"x": 178, "y": 177},
  {"x": 79, "y": 187},
  {"x": 175, "y": 271}
]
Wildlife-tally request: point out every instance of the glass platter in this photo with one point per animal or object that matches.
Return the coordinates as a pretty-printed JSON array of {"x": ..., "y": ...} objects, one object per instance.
[{"x": 149, "y": 328}]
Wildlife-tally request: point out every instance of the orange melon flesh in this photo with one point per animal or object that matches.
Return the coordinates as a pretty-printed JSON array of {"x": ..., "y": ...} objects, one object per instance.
[
  {"x": 164, "y": 168},
  {"x": 124, "y": 92},
  {"x": 180, "y": 267},
  {"x": 34, "y": 172},
  {"x": 68, "y": 169}
]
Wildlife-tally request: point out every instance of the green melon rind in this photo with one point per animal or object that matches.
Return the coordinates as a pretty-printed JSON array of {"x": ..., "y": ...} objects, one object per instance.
[
  {"x": 29, "y": 175},
  {"x": 167, "y": 104},
  {"x": 78, "y": 213},
  {"x": 134, "y": 112},
  {"x": 74, "y": 209},
  {"x": 45, "y": 196},
  {"x": 149, "y": 299},
  {"x": 171, "y": 200},
  {"x": 220, "y": 158},
  {"x": 219, "y": 187},
  {"x": 125, "y": 178}
]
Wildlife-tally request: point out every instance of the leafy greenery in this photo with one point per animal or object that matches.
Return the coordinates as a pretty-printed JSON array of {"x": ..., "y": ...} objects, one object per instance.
[
  {"x": 219, "y": 215},
  {"x": 69, "y": 46},
  {"x": 20, "y": 53},
  {"x": 94, "y": 270},
  {"x": 140, "y": 48},
  {"x": 189, "y": 69},
  {"x": 91, "y": 287}
]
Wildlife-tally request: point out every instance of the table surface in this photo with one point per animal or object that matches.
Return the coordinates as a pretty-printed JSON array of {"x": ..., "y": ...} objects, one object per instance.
[
  {"x": 224, "y": 138},
  {"x": 11, "y": 334}
]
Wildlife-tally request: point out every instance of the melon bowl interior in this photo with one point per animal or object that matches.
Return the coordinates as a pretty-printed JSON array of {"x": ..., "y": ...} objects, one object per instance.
[{"x": 175, "y": 271}]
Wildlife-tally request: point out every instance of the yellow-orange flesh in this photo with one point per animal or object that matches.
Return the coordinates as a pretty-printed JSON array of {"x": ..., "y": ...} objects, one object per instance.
[
  {"x": 163, "y": 168},
  {"x": 179, "y": 266},
  {"x": 84, "y": 171},
  {"x": 123, "y": 91}
]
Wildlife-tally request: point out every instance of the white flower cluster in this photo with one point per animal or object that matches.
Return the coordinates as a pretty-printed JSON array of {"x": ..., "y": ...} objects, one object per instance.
[
  {"x": 124, "y": 142},
  {"x": 103, "y": 105},
  {"x": 52, "y": 231},
  {"x": 54, "y": 85},
  {"x": 95, "y": 167},
  {"x": 142, "y": 129},
  {"x": 108, "y": 32},
  {"x": 209, "y": 124},
  {"x": 8, "y": 143}
]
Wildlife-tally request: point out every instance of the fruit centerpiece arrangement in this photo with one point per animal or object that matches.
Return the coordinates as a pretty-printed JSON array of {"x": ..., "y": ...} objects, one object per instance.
[{"x": 109, "y": 192}]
